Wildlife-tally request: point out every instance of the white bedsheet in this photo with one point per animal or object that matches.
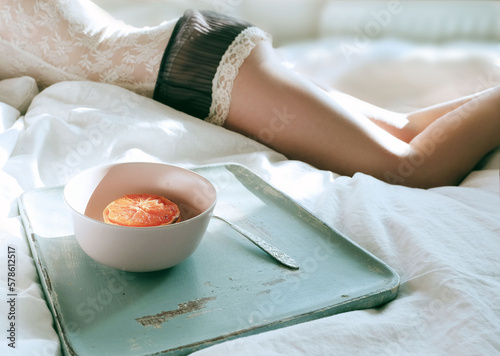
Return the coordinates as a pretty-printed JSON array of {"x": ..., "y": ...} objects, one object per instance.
[{"x": 444, "y": 242}]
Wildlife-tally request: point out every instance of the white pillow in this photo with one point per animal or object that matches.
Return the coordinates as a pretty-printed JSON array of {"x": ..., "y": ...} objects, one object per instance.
[
  {"x": 18, "y": 92},
  {"x": 363, "y": 21}
]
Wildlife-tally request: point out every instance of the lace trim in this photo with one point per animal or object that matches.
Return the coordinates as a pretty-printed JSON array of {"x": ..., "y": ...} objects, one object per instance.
[
  {"x": 222, "y": 84},
  {"x": 53, "y": 41}
]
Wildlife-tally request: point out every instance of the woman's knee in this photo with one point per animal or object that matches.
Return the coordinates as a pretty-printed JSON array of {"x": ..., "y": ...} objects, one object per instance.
[{"x": 420, "y": 169}]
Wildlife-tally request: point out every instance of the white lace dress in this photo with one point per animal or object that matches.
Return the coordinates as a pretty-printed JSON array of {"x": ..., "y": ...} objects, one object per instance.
[{"x": 68, "y": 40}]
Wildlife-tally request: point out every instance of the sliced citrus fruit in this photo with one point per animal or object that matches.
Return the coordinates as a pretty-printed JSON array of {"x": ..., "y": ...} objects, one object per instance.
[{"x": 141, "y": 210}]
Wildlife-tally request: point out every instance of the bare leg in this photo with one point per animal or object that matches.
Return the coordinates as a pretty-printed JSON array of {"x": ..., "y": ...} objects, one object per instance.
[
  {"x": 397, "y": 124},
  {"x": 422, "y": 118},
  {"x": 295, "y": 117},
  {"x": 454, "y": 143},
  {"x": 431, "y": 147},
  {"x": 403, "y": 126}
]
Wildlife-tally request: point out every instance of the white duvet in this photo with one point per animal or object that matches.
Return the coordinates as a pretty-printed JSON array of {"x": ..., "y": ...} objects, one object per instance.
[{"x": 443, "y": 242}]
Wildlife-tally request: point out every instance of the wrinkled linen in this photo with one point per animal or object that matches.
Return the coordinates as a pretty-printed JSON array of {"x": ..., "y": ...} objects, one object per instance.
[{"x": 443, "y": 242}]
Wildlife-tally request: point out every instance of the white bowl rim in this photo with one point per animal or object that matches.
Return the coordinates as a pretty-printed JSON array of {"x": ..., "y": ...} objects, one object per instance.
[{"x": 209, "y": 210}]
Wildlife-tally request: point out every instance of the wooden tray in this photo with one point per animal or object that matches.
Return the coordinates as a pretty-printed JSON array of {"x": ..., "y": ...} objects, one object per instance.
[{"x": 228, "y": 288}]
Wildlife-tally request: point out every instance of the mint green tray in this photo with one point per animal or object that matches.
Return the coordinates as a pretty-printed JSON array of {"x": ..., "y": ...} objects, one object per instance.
[{"x": 227, "y": 289}]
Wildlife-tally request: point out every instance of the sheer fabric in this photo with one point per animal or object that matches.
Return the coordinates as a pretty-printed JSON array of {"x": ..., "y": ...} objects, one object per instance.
[
  {"x": 53, "y": 41},
  {"x": 61, "y": 40}
]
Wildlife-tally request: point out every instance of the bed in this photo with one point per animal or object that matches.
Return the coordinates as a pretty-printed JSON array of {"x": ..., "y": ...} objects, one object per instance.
[{"x": 442, "y": 242}]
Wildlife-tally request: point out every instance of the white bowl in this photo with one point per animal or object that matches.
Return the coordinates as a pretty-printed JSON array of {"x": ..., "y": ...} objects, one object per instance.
[{"x": 139, "y": 249}]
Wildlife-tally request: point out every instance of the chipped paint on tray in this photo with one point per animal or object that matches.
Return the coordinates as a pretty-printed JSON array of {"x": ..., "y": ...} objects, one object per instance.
[
  {"x": 273, "y": 282},
  {"x": 157, "y": 320}
]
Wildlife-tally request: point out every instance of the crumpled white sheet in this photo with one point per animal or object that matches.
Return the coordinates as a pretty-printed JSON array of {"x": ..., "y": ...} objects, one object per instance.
[
  {"x": 33, "y": 322},
  {"x": 443, "y": 241}
]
